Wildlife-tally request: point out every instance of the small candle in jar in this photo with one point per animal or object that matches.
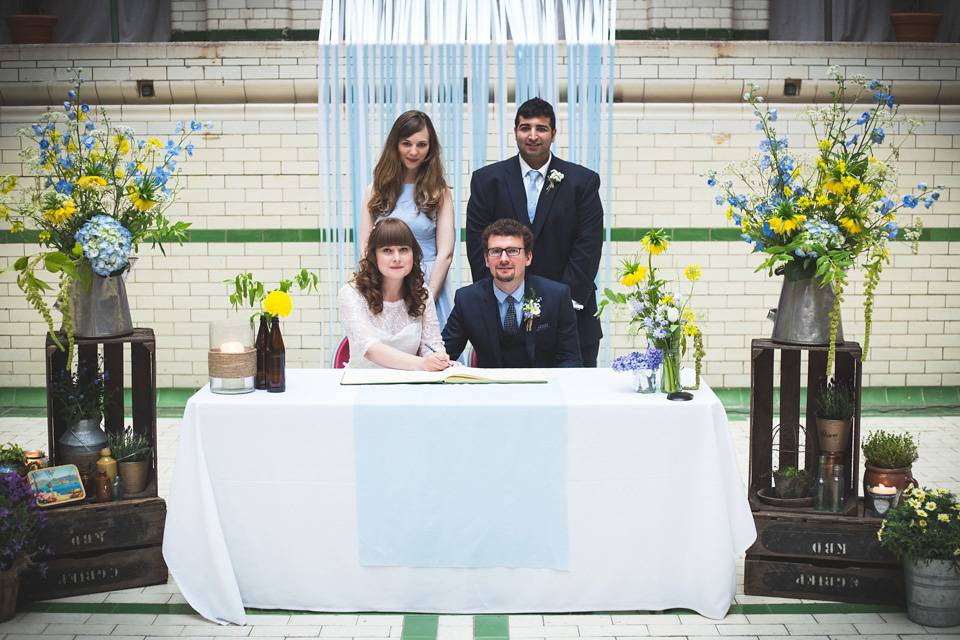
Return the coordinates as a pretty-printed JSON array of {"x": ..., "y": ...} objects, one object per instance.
[
  {"x": 883, "y": 490},
  {"x": 231, "y": 347}
]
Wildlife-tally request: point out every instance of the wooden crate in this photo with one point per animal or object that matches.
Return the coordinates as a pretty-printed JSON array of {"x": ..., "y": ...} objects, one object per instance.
[
  {"x": 762, "y": 395},
  {"x": 143, "y": 389},
  {"x": 100, "y": 547},
  {"x": 822, "y": 557}
]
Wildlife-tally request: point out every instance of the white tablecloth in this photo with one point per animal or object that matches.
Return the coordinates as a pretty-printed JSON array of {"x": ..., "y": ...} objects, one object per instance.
[{"x": 262, "y": 510}]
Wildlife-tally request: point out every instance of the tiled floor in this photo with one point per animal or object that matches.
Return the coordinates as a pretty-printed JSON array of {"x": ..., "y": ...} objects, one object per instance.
[{"x": 161, "y": 612}]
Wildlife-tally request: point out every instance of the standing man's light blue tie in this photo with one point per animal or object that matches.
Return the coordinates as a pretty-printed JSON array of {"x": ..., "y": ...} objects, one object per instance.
[{"x": 533, "y": 194}]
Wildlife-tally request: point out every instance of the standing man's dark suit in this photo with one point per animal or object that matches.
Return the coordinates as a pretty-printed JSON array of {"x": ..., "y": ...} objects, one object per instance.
[
  {"x": 551, "y": 342},
  {"x": 567, "y": 227}
]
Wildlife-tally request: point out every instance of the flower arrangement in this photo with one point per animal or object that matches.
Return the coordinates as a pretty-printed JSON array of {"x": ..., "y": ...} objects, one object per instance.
[
  {"x": 20, "y": 524},
  {"x": 661, "y": 315},
  {"x": 925, "y": 526},
  {"x": 819, "y": 217},
  {"x": 531, "y": 308},
  {"x": 277, "y": 303},
  {"x": 97, "y": 192},
  {"x": 81, "y": 394}
]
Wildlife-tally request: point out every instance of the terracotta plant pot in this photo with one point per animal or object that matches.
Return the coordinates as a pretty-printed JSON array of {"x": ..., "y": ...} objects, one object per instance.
[
  {"x": 872, "y": 476},
  {"x": 915, "y": 27},
  {"x": 834, "y": 435},
  {"x": 9, "y": 588},
  {"x": 134, "y": 475},
  {"x": 31, "y": 29}
]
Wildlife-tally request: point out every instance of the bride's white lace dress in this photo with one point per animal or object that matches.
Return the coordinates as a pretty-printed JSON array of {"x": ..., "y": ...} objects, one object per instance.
[{"x": 393, "y": 327}]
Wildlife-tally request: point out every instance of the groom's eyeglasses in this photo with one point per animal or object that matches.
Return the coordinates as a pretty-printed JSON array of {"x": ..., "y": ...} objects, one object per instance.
[{"x": 513, "y": 252}]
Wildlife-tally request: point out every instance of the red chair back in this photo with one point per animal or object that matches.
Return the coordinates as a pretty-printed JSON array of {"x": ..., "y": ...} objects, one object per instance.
[{"x": 342, "y": 356}]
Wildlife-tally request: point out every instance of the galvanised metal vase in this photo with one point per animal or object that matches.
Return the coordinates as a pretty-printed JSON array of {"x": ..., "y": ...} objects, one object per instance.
[{"x": 803, "y": 313}]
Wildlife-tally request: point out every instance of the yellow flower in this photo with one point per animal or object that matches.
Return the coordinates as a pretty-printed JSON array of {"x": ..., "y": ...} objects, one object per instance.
[
  {"x": 930, "y": 506},
  {"x": 690, "y": 329},
  {"x": 66, "y": 209},
  {"x": 873, "y": 159},
  {"x": 850, "y": 183},
  {"x": 821, "y": 164},
  {"x": 153, "y": 143},
  {"x": 786, "y": 225},
  {"x": 923, "y": 523},
  {"x": 850, "y": 224},
  {"x": 841, "y": 166},
  {"x": 91, "y": 182},
  {"x": 796, "y": 172},
  {"x": 667, "y": 299},
  {"x": 825, "y": 144},
  {"x": 278, "y": 303},
  {"x": 833, "y": 185},
  {"x": 8, "y": 184},
  {"x": 804, "y": 202},
  {"x": 914, "y": 503},
  {"x": 123, "y": 146},
  {"x": 687, "y": 314},
  {"x": 921, "y": 513},
  {"x": 823, "y": 200},
  {"x": 787, "y": 191},
  {"x": 137, "y": 200},
  {"x": 943, "y": 517},
  {"x": 634, "y": 277},
  {"x": 692, "y": 272},
  {"x": 118, "y": 173},
  {"x": 655, "y": 242},
  {"x": 45, "y": 236},
  {"x": 729, "y": 213}
]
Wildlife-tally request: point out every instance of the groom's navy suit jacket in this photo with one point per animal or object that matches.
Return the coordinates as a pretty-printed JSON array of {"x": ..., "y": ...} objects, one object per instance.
[
  {"x": 567, "y": 229},
  {"x": 551, "y": 342}
]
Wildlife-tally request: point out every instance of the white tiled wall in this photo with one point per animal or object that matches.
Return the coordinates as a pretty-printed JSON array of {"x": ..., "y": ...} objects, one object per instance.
[{"x": 681, "y": 115}]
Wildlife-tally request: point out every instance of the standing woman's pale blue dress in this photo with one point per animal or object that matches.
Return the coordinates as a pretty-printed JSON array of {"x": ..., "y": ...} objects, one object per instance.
[{"x": 425, "y": 231}]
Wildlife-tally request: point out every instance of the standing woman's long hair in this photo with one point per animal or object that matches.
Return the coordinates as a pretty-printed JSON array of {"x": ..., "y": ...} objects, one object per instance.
[
  {"x": 391, "y": 232},
  {"x": 429, "y": 187}
]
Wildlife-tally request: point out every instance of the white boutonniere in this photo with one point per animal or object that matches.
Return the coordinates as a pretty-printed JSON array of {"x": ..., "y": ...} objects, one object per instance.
[
  {"x": 531, "y": 308},
  {"x": 554, "y": 179}
]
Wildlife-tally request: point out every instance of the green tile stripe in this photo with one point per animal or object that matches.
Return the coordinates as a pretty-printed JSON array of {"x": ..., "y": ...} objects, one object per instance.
[
  {"x": 484, "y": 627},
  {"x": 420, "y": 627},
  {"x": 617, "y": 234}
]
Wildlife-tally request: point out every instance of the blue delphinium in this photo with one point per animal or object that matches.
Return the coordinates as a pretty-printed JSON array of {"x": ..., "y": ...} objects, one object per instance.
[{"x": 105, "y": 243}]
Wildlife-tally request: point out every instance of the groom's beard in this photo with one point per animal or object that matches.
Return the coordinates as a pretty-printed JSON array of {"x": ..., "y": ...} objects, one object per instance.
[{"x": 505, "y": 276}]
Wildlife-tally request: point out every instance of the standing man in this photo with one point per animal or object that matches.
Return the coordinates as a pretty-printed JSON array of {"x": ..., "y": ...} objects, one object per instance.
[
  {"x": 514, "y": 319},
  {"x": 558, "y": 201}
]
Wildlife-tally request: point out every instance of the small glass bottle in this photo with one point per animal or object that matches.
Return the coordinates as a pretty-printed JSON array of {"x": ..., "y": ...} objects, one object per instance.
[
  {"x": 261, "y": 344},
  {"x": 276, "y": 359},
  {"x": 107, "y": 464},
  {"x": 829, "y": 494},
  {"x": 116, "y": 488},
  {"x": 104, "y": 490}
]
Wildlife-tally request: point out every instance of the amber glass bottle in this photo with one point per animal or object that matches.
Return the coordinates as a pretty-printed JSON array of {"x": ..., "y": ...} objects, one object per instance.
[
  {"x": 261, "y": 344},
  {"x": 276, "y": 359}
]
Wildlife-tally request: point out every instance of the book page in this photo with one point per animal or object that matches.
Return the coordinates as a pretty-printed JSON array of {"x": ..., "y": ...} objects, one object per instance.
[{"x": 451, "y": 375}]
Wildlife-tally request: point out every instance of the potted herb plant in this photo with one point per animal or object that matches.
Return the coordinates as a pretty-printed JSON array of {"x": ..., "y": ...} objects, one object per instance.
[
  {"x": 132, "y": 453},
  {"x": 13, "y": 459},
  {"x": 31, "y": 25},
  {"x": 888, "y": 460},
  {"x": 79, "y": 398},
  {"x": 924, "y": 530},
  {"x": 837, "y": 404},
  {"x": 792, "y": 483},
  {"x": 913, "y": 24},
  {"x": 22, "y": 521}
]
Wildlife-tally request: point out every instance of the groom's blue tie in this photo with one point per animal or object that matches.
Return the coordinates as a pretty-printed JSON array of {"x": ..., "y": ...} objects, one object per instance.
[{"x": 533, "y": 180}]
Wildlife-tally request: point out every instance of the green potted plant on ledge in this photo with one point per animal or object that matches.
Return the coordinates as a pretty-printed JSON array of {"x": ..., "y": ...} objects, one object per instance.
[
  {"x": 13, "y": 459},
  {"x": 888, "y": 460},
  {"x": 792, "y": 483},
  {"x": 912, "y": 24},
  {"x": 924, "y": 530},
  {"x": 837, "y": 405},
  {"x": 132, "y": 453}
]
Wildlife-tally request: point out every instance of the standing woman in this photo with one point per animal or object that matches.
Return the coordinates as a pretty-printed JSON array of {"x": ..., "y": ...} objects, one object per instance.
[
  {"x": 408, "y": 184},
  {"x": 387, "y": 313}
]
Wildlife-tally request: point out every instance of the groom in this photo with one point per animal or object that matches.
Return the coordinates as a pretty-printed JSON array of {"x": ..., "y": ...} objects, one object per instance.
[
  {"x": 514, "y": 319},
  {"x": 559, "y": 202}
]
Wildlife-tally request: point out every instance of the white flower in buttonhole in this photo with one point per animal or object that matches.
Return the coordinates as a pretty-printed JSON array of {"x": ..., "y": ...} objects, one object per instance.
[
  {"x": 531, "y": 308},
  {"x": 554, "y": 178}
]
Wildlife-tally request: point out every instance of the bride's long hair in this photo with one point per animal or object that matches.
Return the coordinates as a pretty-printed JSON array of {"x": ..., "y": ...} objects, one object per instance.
[
  {"x": 429, "y": 187},
  {"x": 390, "y": 232}
]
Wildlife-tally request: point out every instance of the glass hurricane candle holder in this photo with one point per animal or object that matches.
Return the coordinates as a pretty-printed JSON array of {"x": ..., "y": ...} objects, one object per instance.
[
  {"x": 884, "y": 498},
  {"x": 232, "y": 359}
]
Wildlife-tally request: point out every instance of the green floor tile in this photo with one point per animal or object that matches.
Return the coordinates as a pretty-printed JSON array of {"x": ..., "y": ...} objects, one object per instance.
[
  {"x": 489, "y": 627},
  {"x": 420, "y": 626}
]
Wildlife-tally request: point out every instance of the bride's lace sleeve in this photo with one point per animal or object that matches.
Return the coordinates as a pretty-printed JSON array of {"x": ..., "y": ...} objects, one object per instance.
[
  {"x": 356, "y": 321},
  {"x": 431, "y": 327}
]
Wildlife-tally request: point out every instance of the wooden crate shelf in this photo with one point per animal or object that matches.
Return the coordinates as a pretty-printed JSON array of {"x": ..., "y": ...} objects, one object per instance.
[
  {"x": 143, "y": 389},
  {"x": 765, "y": 354}
]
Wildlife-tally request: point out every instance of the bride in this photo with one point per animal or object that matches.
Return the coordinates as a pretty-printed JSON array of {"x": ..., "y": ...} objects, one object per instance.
[{"x": 389, "y": 315}]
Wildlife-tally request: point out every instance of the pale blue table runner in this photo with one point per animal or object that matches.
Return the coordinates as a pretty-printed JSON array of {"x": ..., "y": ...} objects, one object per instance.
[{"x": 462, "y": 476}]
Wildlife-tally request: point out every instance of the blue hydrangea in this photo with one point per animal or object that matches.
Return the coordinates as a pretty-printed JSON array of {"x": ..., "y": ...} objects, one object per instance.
[
  {"x": 106, "y": 244},
  {"x": 822, "y": 233}
]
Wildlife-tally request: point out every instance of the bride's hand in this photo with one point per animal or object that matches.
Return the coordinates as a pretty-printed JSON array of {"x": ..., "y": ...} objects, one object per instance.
[{"x": 436, "y": 361}]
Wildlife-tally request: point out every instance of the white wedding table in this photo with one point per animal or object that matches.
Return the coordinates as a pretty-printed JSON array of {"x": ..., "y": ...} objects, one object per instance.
[{"x": 263, "y": 507}]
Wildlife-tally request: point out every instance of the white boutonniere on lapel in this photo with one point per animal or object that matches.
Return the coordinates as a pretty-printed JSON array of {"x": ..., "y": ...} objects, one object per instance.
[
  {"x": 531, "y": 308},
  {"x": 554, "y": 178}
]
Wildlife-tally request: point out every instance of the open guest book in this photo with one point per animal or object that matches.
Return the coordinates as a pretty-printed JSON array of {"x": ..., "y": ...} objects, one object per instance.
[{"x": 455, "y": 375}]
